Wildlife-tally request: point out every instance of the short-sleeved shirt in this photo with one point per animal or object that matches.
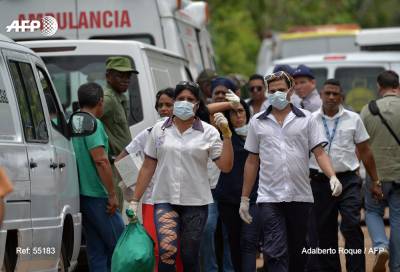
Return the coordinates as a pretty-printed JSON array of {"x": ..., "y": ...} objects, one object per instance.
[
  {"x": 182, "y": 162},
  {"x": 284, "y": 154},
  {"x": 90, "y": 183},
  {"x": 311, "y": 102},
  {"x": 349, "y": 131},
  {"x": 384, "y": 147},
  {"x": 115, "y": 120}
]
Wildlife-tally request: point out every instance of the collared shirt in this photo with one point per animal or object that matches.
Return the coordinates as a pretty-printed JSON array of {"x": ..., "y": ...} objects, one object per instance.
[
  {"x": 182, "y": 162},
  {"x": 384, "y": 147},
  {"x": 349, "y": 131},
  {"x": 311, "y": 102},
  {"x": 115, "y": 120},
  {"x": 284, "y": 154}
]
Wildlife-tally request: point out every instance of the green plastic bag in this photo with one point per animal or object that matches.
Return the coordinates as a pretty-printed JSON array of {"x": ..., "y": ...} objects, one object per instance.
[{"x": 134, "y": 251}]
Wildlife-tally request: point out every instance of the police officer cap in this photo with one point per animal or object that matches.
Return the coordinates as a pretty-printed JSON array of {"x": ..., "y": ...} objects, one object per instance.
[
  {"x": 303, "y": 71},
  {"x": 121, "y": 64},
  {"x": 284, "y": 67}
]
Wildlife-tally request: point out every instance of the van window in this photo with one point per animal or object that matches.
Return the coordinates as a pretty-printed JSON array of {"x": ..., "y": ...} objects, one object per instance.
[
  {"x": 55, "y": 113},
  {"x": 320, "y": 75},
  {"x": 69, "y": 72},
  {"x": 7, "y": 128},
  {"x": 32, "y": 115},
  {"x": 359, "y": 84}
]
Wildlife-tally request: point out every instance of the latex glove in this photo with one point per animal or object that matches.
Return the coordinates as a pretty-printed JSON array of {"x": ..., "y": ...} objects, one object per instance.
[
  {"x": 134, "y": 205},
  {"x": 222, "y": 123},
  {"x": 232, "y": 98},
  {"x": 244, "y": 210},
  {"x": 336, "y": 186}
]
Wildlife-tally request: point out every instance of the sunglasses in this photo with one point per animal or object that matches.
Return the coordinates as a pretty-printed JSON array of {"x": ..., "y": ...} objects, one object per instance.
[
  {"x": 256, "y": 88},
  {"x": 279, "y": 75},
  {"x": 185, "y": 84}
]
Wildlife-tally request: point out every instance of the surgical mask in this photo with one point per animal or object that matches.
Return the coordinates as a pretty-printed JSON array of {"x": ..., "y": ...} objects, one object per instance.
[
  {"x": 242, "y": 131},
  {"x": 183, "y": 109},
  {"x": 278, "y": 100}
]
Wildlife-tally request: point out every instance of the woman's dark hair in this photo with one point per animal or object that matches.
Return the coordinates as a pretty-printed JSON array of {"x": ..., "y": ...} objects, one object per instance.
[
  {"x": 193, "y": 87},
  {"x": 167, "y": 91},
  {"x": 247, "y": 110},
  {"x": 89, "y": 94}
]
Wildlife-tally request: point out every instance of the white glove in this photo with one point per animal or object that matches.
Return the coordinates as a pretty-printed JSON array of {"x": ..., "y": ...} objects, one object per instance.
[
  {"x": 232, "y": 98},
  {"x": 220, "y": 120},
  {"x": 134, "y": 205},
  {"x": 336, "y": 186},
  {"x": 244, "y": 210}
]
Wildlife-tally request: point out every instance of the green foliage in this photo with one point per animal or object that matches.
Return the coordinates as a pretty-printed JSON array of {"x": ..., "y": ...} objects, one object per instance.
[{"x": 238, "y": 26}]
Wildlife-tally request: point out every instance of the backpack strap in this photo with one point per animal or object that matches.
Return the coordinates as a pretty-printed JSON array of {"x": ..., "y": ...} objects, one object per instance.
[{"x": 374, "y": 109}]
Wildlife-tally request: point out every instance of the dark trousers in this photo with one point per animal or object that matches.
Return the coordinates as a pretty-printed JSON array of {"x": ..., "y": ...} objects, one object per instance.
[
  {"x": 243, "y": 238},
  {"x": 284, "y": 225},
  {"x": 102, "y": 232},
  {"x": 326, "y": 209},
  {"x": 185, "y": 223}
]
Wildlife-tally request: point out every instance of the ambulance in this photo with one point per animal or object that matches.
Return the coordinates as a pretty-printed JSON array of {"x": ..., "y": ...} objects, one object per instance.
[
  {"x": 177, "y": 25},
  {"x": 357, "y": 71}
]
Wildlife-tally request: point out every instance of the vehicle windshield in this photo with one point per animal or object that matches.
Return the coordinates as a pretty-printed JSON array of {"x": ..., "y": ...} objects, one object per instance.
[
  {"x": 359, "y": 85},
  {"x": 69, "y": 72}
]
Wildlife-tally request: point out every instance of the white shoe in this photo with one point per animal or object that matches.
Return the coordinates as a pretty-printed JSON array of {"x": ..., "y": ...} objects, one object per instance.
[{"x": 380, "y": 261}]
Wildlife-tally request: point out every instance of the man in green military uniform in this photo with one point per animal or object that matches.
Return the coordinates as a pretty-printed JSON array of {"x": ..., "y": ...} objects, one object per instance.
[{"x": 118, "y": 74}]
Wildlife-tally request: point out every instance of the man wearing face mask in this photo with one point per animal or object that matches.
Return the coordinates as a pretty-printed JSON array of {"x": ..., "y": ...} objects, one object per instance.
[
  {"x": 115, "y": 117},
  {"x": 279, "y": 141}
]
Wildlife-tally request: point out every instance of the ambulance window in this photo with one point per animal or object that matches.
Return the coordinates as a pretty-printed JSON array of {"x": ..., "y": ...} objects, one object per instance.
[
  {"x": 70, "y": 72},
  {"x": 55, "y": 113},
  {"x": 320, "y": 75},
  {"x": 7, "y": 128},
  {"x": 29, "y": 102},
  {"x": 359, "y": 85}
]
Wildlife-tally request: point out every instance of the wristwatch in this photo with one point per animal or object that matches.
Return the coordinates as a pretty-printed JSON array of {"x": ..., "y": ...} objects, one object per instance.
[{"x": 378, "y": 183}]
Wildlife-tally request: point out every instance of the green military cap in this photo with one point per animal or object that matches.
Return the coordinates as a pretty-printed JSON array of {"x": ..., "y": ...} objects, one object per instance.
[{"x": 121, "y": 64}]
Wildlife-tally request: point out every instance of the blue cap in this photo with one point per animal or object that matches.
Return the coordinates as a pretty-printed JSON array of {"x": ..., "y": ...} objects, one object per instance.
[
  {"x": 224, "y": 81},
  {"x": 303, "y": 71},
  {"x": 283, "y": 67}
]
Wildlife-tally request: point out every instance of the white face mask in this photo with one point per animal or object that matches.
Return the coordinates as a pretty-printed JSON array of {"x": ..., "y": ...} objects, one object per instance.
[
  {"x": 183, "y": 109},
  {"x": 242, "y": 131},
  {"x": 278, "y": 100}
]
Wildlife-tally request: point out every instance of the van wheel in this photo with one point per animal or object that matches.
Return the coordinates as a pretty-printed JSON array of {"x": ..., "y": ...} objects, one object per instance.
[{"x": 62, "y": 261}]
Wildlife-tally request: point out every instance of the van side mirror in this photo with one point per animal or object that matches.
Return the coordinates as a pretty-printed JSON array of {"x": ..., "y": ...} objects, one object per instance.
[{"x": 81, "y": 124}]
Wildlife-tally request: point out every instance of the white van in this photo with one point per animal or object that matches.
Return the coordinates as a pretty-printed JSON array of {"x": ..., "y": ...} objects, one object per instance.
[
  {"x": 356, "y": 72},
  {"x": 42, "y": 225},
  {"x": 176, "y": 25},
  {"x": 74, "y": 62}
]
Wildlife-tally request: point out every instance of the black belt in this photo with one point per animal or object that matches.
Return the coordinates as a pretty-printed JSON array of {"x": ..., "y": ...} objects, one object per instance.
[{"x": 315, "y": 172}]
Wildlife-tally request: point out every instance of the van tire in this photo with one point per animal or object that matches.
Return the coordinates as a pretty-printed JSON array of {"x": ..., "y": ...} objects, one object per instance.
[{"x": 63, "y": 263}]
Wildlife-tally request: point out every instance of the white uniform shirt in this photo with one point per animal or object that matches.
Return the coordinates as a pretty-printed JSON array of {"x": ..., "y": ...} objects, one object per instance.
[
  {"x": 284, "y": 154},
  {"x": 136, "y": 146},
  {"x": 350, "y": 131},
  {"x": 182, "y": 162}
]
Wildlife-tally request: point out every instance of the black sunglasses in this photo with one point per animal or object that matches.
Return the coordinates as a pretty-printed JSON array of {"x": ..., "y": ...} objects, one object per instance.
[
  {"x": 185, "y": 84},
  {"x": 256, "y": 88}
]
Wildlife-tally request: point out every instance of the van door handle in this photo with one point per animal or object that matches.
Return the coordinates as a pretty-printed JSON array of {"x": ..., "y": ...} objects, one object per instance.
[
  {"x": 32, "y": 164},
  {"x": 53, "y": 165},
  {"x": 61, "y": 165}
]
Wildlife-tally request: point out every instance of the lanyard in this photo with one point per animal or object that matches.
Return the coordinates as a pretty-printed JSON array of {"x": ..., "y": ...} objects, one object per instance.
[{"x": 328, "y": 135}]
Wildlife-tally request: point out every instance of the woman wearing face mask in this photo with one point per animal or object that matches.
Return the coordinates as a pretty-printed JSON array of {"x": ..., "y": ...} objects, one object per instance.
[
  {"x": 243, "y": 238},
  {"x": 164, "y": 106},
  {"x": 179, "y": 148}
]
